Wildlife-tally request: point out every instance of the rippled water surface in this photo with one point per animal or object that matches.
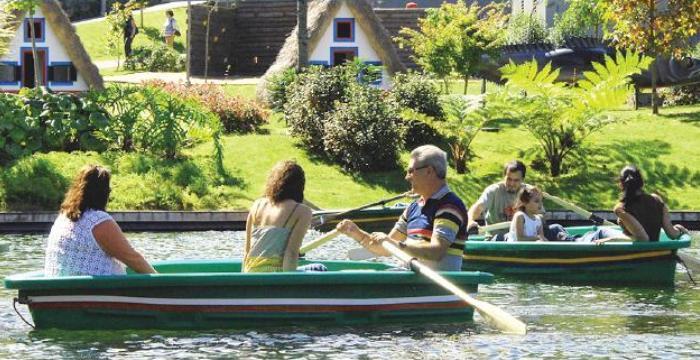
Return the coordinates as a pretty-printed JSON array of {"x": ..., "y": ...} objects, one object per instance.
[{"x": 564, "y": 321}]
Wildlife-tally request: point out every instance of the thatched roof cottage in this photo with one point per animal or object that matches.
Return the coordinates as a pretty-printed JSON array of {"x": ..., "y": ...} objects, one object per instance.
[{"x": 66, "y": 66}]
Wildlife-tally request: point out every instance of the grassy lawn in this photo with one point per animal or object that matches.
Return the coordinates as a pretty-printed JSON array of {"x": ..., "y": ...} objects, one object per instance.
[
  {"x": 244, "y": 91},
  {"x": 96, "y": 44},
  {"x": 665, "y": 148}
]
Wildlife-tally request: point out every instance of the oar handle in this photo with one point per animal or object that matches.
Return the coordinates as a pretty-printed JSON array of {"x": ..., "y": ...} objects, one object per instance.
[
  {"x": 328, "y": 217},
  {"x": 578, "y": 210},
  {"x": 320, "y": 241},
  {"x": 497, "y": 317}
]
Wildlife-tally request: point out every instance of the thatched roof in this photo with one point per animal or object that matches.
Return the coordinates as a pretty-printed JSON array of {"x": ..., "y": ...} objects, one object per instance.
[
  {"x": 65, "y": 32},
  {"x": 320, "y": 18}
]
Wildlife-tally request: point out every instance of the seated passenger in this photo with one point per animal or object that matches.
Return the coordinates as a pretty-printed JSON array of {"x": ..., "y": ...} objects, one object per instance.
[
  {"x": 84, "y": 239},
  {"x": 527, "y": 220},
  {"x": 277, "y": 223},
  {"x": 496, "y": 203},
  {"x": 640, "y": 215}
]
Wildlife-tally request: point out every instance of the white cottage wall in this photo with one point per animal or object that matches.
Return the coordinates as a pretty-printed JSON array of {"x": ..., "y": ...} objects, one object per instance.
[{"x": 56, "y": 54}]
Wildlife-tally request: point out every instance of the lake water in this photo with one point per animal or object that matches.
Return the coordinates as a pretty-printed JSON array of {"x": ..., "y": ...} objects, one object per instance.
[{"x": 564, "y": 321}]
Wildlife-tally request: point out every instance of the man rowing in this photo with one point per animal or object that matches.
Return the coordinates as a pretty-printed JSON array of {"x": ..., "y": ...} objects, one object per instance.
[{"x": 433, "y": 227}]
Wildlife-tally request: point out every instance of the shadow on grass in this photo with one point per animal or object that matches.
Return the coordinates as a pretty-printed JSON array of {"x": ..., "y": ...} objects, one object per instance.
[
  {"x": 154, "y": 35},
  {"x": 598, "y": 184},
  {"x": 691, "y": 116}
]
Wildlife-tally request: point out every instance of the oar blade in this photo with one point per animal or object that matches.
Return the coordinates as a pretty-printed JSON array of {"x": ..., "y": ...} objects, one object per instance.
[
  {"x": 499, "y": 319},
  {"x": 358, "y": 254}
]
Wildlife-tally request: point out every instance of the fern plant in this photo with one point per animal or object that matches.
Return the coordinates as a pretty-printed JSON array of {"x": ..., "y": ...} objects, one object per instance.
[{"x": 561, "y": 116}]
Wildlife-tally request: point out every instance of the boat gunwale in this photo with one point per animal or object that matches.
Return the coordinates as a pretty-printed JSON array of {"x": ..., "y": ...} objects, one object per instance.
[{"x": 34, "y": 280}]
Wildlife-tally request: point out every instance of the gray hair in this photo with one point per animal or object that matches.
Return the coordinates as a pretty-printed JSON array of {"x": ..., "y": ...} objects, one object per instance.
[{"x": 431, "y": 155}]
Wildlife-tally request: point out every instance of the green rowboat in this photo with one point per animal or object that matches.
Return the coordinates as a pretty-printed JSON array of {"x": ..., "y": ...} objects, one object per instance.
[
  {"x": 371, "y": 219},
  {"x": 628, "y": 263},
  {"x": 213, "y": 294}
]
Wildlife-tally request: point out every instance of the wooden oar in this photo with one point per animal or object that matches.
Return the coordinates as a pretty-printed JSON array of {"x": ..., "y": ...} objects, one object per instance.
[
  {"x": 320, "y": 241},
  {"x": 690, "y": 261},
  {"x": 493, "y": 315},
  {"x": 322, "y": 219},
  {"x": 581, "y": 211},
  {"x": 364, "y": 254}
]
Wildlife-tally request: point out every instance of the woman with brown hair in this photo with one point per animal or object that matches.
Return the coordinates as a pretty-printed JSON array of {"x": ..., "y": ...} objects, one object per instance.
[
  {"x": 277, "y": 223},
  {"x": 84, "y": 239}
]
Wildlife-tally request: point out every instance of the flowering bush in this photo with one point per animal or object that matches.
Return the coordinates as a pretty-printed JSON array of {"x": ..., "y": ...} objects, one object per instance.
[{"x": 237, "y": 115}]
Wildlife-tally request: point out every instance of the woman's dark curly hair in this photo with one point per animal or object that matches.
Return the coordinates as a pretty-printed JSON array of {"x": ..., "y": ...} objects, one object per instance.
[
  {"x": 90, "y": 190},
  {"x": 286, "y": 181}
]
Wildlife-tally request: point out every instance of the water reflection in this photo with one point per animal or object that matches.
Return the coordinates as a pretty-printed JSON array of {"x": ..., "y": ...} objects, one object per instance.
[{"x": 564, "y": 321}]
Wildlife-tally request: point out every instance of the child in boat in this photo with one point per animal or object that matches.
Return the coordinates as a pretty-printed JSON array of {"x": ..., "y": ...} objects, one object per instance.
[
  {"x": 277, "y": 223},
  {"x": 527, "y": 220},
  {"x": 641, "y": 215}
]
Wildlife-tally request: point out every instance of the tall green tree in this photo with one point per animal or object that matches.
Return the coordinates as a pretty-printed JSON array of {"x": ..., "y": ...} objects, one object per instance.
[
  {"x": 654, "y": 27},
  {"x": 454, "y": 37},
  {"x": 561, "y": 117},
  {"x": 29, "y": 7},
  {"x": 581, "y": 18}
]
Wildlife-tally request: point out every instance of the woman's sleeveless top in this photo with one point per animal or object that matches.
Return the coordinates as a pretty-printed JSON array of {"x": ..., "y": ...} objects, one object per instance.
[
  {"x": 72, "y": 249},
  {"x": 649, "y": 211},
  {"x": 267, "y": 248},
  {"x": 530, "y": 227}
]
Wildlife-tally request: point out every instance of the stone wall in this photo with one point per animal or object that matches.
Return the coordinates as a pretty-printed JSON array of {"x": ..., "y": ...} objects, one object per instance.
[
  {"x": 247, "y": 39},
  {"x": 244, "y": 40}
]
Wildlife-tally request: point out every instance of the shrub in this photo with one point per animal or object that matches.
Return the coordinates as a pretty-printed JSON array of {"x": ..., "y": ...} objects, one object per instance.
[
  {"x": 313, "y": 95},
  {"x": 155, "y": 57},
  {"x": 525, "y": 29},
  {"x": 237, "y": 115},
  {"x": 34, "y": 184},
  {"x": 416, "y": 131},
  {"x": 417, "y": 92},
  {"x": 33, "y": 121},
  {"x": 277, "y": 88},
  {"x": 363, "y": 134},
  {"x": 682, "y": 95}
]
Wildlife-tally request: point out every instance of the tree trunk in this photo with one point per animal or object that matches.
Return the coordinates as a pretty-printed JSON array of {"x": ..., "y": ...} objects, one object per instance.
[
  {"x": 447, "y": 85},
  {"x": 37, "y": 67},
  {"x": 466, "y": 83},
  {"x": 483, "y": 86},
  {"x": 302, "y": 37},
  {"x": 103, "y": 8},
  {"x": 654, "y": 104},
  {"x": 206, "y": 49},
  {"x": 189, "y": 41},
  {"x": 555, "y": 166},
  {"x": 636, "y": 97}
]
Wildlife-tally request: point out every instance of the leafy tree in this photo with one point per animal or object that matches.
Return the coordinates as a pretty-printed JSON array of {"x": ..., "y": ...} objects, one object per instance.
[
  {"x": 462, "y": 122},
  {"x": 654, "y": 27},
  {"x": 524, "y": 28},
  {"x": 454, "y": 37},
  {"x": 29, "y": 7},
  {"x": 115, "y": 29},
  {"x": 561, "y": 117},
  {"x": 581, "y": 18}
]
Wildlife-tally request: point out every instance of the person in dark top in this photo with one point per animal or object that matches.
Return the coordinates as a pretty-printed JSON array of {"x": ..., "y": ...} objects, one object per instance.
[
  {"x": 130, "y": 31},
  {"x": 641, "y": 215}
]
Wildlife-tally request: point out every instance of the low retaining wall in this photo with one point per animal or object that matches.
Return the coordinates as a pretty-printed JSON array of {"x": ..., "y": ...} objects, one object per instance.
[{"x": 152, "y": 221}]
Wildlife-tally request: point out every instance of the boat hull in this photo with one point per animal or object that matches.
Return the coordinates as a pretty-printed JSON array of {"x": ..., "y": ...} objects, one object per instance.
[
  {"x": 214, "y": 295},
  {"x": 372, "y": 219},
  {"x": 623, "y": 263}
]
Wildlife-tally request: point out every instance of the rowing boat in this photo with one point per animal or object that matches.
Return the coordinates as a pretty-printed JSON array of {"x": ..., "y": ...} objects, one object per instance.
[
  {"x": 372, "y": 219},
  {"x": 213, "y": 294},
  {"x": 629, "y": 263}
]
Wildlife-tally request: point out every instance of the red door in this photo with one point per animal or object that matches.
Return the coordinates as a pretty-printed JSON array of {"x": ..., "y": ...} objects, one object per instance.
[{"x": 28, "y": 67}]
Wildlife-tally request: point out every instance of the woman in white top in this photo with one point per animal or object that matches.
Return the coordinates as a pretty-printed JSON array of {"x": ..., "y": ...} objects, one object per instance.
[
  {"x": 84, "y": 239},
  {"x": 170, "y": 28},
  {"x": 527, "y": 221}
]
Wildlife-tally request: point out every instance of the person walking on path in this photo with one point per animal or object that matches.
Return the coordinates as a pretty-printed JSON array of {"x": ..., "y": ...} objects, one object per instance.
[
  {"x": 130, "y": 31},
  {"x": 170, "y": 28}
]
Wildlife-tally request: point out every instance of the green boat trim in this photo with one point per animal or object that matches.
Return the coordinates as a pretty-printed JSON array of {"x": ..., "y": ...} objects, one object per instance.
[
  {"x": 214, "y": 294},
  {"x": 639, "y": 263}
]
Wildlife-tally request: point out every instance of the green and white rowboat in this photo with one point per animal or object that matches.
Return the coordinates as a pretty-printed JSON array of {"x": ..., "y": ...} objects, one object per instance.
[
  {"x": 628, "y": 263},
  {"x": 210, "y": 294}
]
